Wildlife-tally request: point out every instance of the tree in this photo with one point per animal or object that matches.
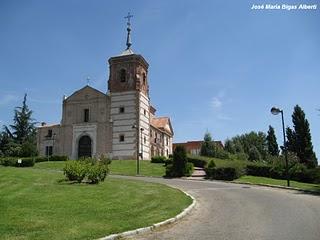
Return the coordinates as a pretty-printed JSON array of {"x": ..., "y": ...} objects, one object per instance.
[
  {"x": 23, "y": 125},
  {"x": 254, "y": 154},
  {"x": 207, "y": 147},
  {"x": 179, "y": 163},
  {"x": 21, "y": 139},
  {"x": 299, "y": 139},
  {"x": 273, "y": 148}
]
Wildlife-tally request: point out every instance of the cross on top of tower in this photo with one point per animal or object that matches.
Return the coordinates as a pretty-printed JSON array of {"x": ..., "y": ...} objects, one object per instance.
[{"x": 128, "y": 17}]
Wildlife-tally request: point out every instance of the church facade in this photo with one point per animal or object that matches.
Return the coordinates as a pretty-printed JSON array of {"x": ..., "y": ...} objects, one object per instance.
[{"x": 120, "y": 123}]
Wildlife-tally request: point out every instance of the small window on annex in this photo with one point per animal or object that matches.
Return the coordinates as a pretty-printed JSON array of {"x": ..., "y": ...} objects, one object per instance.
[
  {"x": 121, "y": 138},
  {"x": 123, "y": 74},
  {"x": 86, "y": 115}
]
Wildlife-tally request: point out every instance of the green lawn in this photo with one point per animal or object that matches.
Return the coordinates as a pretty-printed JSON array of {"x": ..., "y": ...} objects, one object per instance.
[
  {"x": 36, "y": 203},
  {"x": 279, "y": 182},
  {"x": 129, "y": 167},
  {"x": 121, "y": 167}
]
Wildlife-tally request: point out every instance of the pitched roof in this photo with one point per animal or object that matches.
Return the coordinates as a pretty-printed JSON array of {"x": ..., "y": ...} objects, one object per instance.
[
  {"x": 162, "y": 123},
  {"x": 86, "y": 87}
]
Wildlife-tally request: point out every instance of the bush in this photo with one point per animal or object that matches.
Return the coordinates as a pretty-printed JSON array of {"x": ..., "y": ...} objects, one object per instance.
[
  {"x": 197, "y": 161},
  {"x": 227, "y": 173},
  {"x": 189, "y": 169},
  {"x": 75, "y": 170},
  {"x": 97, "y": 173},
  {"x": 25, "y": 162},
  {"x": 258, "y": 169},
  {"x": 210, "y": 169},
  {"x": 158, "y": 159},
  {"x": 13, "y": 162},
  {"x": 58, "y": 158},
  {"x": 94, "y": 170},
  {"x": 179, "y": 164}
]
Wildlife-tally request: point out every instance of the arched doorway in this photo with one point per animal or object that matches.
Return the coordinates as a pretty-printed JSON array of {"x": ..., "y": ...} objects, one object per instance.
[{"x": 84, "y": 147}]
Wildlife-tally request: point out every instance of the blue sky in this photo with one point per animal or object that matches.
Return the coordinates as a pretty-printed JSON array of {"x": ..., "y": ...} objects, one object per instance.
[{"x": 214, "y": 65}]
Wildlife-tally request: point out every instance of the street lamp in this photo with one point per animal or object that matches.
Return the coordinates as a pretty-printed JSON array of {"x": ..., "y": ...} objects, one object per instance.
[
  {"x": 138, "y": 154},
  {"x": 276, "y": 111}
]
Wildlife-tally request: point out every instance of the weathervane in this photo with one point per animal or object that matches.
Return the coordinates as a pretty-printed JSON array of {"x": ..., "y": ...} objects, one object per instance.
[{"x": 128, "y": 17}]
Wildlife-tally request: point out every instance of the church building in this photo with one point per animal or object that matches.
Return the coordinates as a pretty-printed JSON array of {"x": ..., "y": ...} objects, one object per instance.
[{"x": 120, "y": 123}]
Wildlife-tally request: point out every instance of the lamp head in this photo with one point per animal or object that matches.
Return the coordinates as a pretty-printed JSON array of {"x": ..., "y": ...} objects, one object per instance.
[{"x": 275, "y": 110}]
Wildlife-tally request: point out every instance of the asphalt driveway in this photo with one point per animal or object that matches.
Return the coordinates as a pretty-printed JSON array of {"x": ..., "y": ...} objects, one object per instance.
[{"x": 242, "y": 212}]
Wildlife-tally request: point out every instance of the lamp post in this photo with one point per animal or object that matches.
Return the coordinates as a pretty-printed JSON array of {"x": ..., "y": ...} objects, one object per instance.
[
  {"x": 53, "y": 139},
  {"x": 138, "y": 153},
  {"x": 276, "y": 111}
]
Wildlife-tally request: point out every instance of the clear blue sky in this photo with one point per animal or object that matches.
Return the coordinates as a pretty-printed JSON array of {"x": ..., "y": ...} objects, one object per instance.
[{"x": 215, "y": 65}]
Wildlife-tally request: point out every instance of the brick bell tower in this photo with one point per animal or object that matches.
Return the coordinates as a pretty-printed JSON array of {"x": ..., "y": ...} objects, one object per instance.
[{"x": 129, "y": 98}]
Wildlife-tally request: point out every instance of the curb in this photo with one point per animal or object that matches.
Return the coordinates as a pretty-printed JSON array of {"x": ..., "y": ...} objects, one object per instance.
[
  {"x": 156, "y": 225},
  {"x": 278, "y": 186}
]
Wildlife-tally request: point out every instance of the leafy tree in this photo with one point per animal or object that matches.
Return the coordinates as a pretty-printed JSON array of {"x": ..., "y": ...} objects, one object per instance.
[
  {"x": 207, "y": 147},
  {"x": 299, "y": 139},
  {"x": 273, "y": 148},
  {"x": 254, "y": 154},
  {"x": 229, "y": 146},
  {"x": 243, "y": 143}
]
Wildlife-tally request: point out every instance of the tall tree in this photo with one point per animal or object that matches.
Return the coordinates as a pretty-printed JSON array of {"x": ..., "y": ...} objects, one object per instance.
[
  {"x": 207, "y": 147},
  {"x": 299, "y": 139},
  {"x": 23, "y": 124},
  {"x": 273, "y": 148}
]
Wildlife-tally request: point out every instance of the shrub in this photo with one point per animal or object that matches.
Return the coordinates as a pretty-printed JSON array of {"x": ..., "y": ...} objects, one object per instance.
[
  {"x": 58, "y": 158},
  {"x": 258, "y": 169},
  {"x": 239, "y": 156},
  {"x": 179, "y": 163},
  {"x": 158, "y": 159},
  {"x": 13, "y": 162},
  {"x": 197, "y": 161},
  {"x": 25, "y": 162},
  {"x": 97, "y": 173},
  {"x": 189, "y": 169},
  {"x": 75, "y": 170},
  {"x": 227, "y": 173},
  {"x": 210, "y": 169}
]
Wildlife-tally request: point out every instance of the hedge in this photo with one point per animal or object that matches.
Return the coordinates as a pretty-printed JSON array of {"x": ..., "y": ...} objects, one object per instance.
[
  {"x": 17, "y": 162},
  {"x": 158, "y": 159},
  {"x": 258, "y": 169},
  {"x": 197, "y": 162}
]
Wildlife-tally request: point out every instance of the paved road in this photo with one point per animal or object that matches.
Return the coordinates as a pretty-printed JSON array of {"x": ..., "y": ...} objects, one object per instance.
[{"x": 232, "y": 211}]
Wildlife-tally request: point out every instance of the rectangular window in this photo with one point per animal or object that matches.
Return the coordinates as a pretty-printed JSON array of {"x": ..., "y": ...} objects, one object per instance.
[
  {"x": 121, "y": 138},
  {"x": 121, "y": 109},
  {"x": 48, "y": 151},
  {"x": 167, "y": 141},
  {"x": 145, "y": 112},
  {"x": 86, "y": 115},
  {"x": 49, "y": 133}
]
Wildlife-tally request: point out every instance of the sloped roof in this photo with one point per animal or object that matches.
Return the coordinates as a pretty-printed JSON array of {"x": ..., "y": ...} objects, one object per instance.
[
  {"x": 162, "y": 123},
  {"x": 87, "y": 87}
]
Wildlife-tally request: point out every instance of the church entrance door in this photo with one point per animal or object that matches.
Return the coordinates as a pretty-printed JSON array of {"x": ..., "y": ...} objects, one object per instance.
[{"x": 84, "y": 147}]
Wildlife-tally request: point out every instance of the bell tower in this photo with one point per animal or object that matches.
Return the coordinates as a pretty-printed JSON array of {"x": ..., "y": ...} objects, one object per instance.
[{"x": 129, "y": 94}]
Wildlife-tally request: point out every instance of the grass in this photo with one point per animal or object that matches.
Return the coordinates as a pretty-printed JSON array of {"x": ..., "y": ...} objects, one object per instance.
[
  {"x": 129, "y": 167},
  {"x": 36, "y": 203},
  {"x": 120, "y": 167},
  {"x": 278, "y": 182}
]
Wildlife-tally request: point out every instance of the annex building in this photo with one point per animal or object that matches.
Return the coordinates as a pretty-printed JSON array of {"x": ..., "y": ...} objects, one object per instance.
[{"x": 120, "y": 123}]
